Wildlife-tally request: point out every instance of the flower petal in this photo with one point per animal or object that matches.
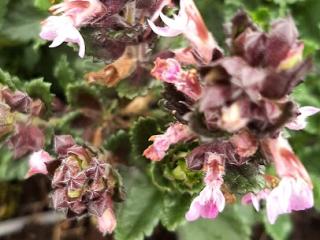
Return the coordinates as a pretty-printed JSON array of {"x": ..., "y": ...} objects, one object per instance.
[
  {"x": 164, "y": 31},
  {"x": 37, "y": 163},
  {"x": 107, "y": 222},
  {"x": 301, "y": 121},
  {"x": 175, "y": 133}
]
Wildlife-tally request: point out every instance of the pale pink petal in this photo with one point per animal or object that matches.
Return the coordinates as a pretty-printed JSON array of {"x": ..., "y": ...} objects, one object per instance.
[
  {"x": 308, "y": 111},
  {"x": 301, "y": 121},
  {"x": 194, "y": 211},
  {"x": 60, "y": 29},
  {"x": 57, "y": 41},
  {"x": 290, "y": 195},
  {"x": 302, "y": 196},
  {"x": 209, "y": 210},
  {"x": 220, "y": 201},
  {"x": 164, "y": 31},
  {"x": 178, "y": 22},
  {"x": 208, "y": 204},
  {"x": 254, "y": 199},
  {"x": 251, "y": 198},
  {"x": 37, "y": 163},
  {"x": 107, "y": 222}
]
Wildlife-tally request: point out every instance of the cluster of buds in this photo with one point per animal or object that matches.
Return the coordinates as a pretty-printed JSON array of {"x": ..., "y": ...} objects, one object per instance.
[
  {"x": 237, "y": 108},
  {"x": 17, "y": 129},
  {"x": 83, "y": 181}
]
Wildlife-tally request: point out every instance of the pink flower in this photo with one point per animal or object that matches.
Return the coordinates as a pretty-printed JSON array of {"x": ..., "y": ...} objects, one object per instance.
[
  {"x": 59, "y": 29},
  {"x": 294, "y": 191},
  {"x": 190, "y": 23},
  {"x": 211, "y": 200},
  {"x": 290, "y": 195},
  {"x": 254, "y": 199},
  {"x": 37, "y": 163},
  {"x": 107, "y": 222},
  {"x": 161, "y": 143},
  {"x": 301, "y": 121},
  {"x": 73, "y": 15},
  {"x": 167, "y": 70},
  {"x": 170, "y": 71},
  {"x": 208, "y": 204}
]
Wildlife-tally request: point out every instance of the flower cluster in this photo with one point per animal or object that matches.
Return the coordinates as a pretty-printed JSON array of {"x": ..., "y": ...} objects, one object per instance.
[
  {"x": 83, "y": 181},
  {"x": 237, "y": 107},
  {"x": 18, "y": 131}
]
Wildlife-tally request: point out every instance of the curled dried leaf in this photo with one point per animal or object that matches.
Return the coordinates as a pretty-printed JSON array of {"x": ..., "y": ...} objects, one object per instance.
[{"x": 113, "y": 73}]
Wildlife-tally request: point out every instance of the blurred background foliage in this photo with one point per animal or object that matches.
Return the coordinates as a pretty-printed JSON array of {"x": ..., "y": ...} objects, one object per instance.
[{"x": 24, "y": 56}]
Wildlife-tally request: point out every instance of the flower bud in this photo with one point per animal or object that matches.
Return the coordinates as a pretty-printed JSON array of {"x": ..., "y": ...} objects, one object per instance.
[
  {"x": 84, "y": 182},
  {"x": 18, "y": 101}
]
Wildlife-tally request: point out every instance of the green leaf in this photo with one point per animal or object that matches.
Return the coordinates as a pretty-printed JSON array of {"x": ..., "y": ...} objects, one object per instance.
[
  {"x": 310, "y": 47},
  {"x": 119, "y": 144},
  {"x": 3, "y": 9},
  {"x": 126, "y": 90},
  {"x": 140, "y": 213},
  {"x": 140, "y": 132},
  {"x": 228, "y": 225},
  {"x": 22, "y": 21},
  {"x": 83, "y": 95},
  {"x": 172, "y": 174},
  {"x": 63, "y": 72},
  {"x": 42, "y": 4},
  {"x": 175, "y": 207},
  {"x": 262, "y": 16},
  {"x": 8, "y": 80},
  {"x": 316, "y": 190},
  {"x": 37, "y": 88},
  {"x": 11, "y": 169},
  {"x": 281, "y": 229}
]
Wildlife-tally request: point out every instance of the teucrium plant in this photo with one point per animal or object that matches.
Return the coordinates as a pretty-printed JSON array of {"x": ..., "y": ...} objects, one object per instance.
[{"x": 163, "y": 135}]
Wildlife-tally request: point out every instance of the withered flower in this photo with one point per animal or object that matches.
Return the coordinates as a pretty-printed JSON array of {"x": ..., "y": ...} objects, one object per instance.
[{"x": 113, "y": 73}]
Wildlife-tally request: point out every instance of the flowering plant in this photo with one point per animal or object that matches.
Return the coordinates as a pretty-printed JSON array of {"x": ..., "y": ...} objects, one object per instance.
[{"x": 157, "y": 123}]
